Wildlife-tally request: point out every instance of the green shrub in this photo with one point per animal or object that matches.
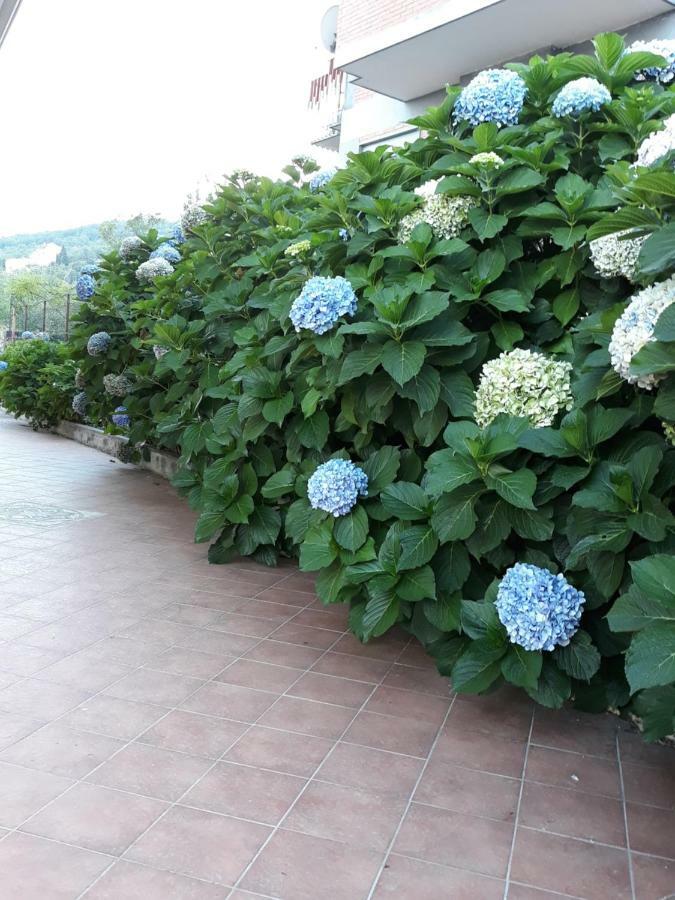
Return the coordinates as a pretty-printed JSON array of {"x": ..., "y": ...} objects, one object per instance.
[
  {"x": 568, "y": 470},
  {"x": 37, "y": 382}
]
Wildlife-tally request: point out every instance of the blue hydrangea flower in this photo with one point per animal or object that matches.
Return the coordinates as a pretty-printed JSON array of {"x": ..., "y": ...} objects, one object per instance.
[
  {"x": 494, "y": 95},
  {"x": 321, "y": 303},
  {"x": 79, "y": 404},
  {"x": 85, "y": 287},
  {"x": 98, "y": 343},
  {"x": 120, "y": 417},
  {"x": 660, "y": 74},
  {"x": 336, "y": 486},
  {"x": 166, "y": 251},
  {"x": 89, "y": 269},
  {"x": 539, "y": 610},
  {"x": 177, "y": 236},
  {"x": 27, "y": 335},
  {"x": 579, "y": 96},
  {"x": 321, "y": 179},
  {"x": 3, "y": 365}
]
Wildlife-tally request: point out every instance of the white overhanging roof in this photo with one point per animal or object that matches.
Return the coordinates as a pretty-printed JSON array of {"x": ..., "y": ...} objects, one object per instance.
[
  {"x": 458, "y": 37},
  {"x": 8, "y": 9}
]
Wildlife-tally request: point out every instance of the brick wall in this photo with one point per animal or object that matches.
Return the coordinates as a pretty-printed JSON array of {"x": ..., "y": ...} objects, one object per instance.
[{"x": 359, "y": 18}]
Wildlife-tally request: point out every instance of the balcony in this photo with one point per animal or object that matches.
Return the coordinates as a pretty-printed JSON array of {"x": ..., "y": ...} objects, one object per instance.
[
  {"x": 420, "y": 55},
  {"x": 326, "y": 99}
]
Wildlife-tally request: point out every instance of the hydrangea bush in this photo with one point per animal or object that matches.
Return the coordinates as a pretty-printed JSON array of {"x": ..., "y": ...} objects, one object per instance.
[{"x": 427, "y": 416}]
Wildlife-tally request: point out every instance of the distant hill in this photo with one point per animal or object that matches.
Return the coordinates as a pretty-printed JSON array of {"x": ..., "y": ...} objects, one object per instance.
[{"x": 79, "y": 245}]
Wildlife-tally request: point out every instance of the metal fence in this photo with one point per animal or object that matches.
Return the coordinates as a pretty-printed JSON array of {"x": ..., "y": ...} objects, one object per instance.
[{"x": 54, "y": 319}]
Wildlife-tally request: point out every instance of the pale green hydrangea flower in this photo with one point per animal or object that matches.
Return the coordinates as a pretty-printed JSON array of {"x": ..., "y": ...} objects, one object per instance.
[
  {"x": 298, "y": 249},
  {"x": 669, "y": 431},
  {"x": 523, "y": 383},
  {"x": 446, "y": 216},
  {"x": 487, "y": 160}
]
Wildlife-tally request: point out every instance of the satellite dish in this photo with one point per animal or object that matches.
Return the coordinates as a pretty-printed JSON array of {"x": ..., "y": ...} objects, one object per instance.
[{"x": 329, "y": 28}]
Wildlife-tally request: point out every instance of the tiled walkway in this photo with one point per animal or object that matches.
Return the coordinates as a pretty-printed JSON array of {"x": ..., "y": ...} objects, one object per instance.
[{"x": 174, "y": 730}]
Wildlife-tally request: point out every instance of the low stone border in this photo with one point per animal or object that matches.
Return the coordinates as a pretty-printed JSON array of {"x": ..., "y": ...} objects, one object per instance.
[{"x": 160, "y": 462}]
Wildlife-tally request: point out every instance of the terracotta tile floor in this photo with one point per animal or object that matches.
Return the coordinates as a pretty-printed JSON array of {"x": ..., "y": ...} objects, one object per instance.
[{"x": 174, "y": 730}]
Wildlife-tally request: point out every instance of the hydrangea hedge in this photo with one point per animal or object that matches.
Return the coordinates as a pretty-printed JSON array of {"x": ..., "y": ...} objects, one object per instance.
[{"x": 416, "y": 374}]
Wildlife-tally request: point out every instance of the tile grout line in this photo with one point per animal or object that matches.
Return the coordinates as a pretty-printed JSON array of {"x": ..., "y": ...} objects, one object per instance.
[
  {"x": 518, "y": 804},
  {"x": 312, "y": 777},
  {"x": 624, "y": 809},
  {"x": 215, "y": 762},
  {"x": 132, "y": 670},
  {"x": 391, "y": 843}
]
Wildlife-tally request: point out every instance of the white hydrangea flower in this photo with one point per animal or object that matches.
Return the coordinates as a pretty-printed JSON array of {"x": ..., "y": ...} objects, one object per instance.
[
  {"x": 153, "y": 268},
  {"x": 635, "y": 327},
  {"x": 523, "y": 383},
  {"x": 487, "y": 160},
  {"x": 130, "y": 246},
  {"x": 655, "y": 147},
  {"x": 613, "y": 256},
  {"x": 446, "y": 216},
  {"x": 192, "y": 216}
]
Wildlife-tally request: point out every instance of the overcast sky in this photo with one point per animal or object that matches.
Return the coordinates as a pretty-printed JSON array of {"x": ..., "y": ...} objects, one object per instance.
[{"x": 114, "y": 107}]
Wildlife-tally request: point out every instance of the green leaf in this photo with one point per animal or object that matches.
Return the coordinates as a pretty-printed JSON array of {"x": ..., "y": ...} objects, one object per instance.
[
  {"x": 313, "y": 432},
  {"x": 424, "y": 308},
  {"x": 318, "y": 548},
  {"x": 516, "y": 488},
  {"x": 297, "y": 520},
  {"x": 508, "y": 300},
  {"x": 458, "y": 393},
  {"x": 580, "y": 659},
  {"x": 279, "y": 484},
  {"x": 654, "y": 358},
  {"x": 381, "y": 468},
  {"x": 486, "y": 223},
  {"x": 405, "y": 501},
  {"x": 454, "y": 518},
  {"x": 655, "y": 577},
  {"x": 635, "y": 610},
  {"x": 360, "y": 362},
  {"x": 418, "y": 545},
  {"x": 452, "y": 566},
  {"x": 650, "y": 659},
  {"x": 417, "y": 584},
  {"x": 275, "y": 411},
  {"x": 553, "y": 687},
  {"x": 447, "y": 470},
  {"x": 443, "y": 613},
  {"x": 506, "y": 334},
  {"x": 350, "y": 531},
  {"x": 329, "y": 583},
  {"x": 664, "y": 330},
  {"x": 403, "y": 360},
  {"x": 477, "y": 668},
  {"x": 517, "y": 180},
  {"x": 522, "y": 667},
  {"x": 424, "y": 389},
  {"x": 239, "y": 511},
  {"x": 566, "y": 306},
  {"x": 207, "y": 525},
  {"x": 656, "y": 709},
  {"x": 657, "y": 254},
  {"x": 480, "y": 620}
]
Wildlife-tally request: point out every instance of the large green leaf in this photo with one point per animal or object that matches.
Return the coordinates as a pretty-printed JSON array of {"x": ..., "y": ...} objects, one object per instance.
[
  {"x": 650, "y": 659},
  {"x": 580, "y": 659},
  {"x": 517, "y": 488},
  {"x": 454, "y": 518},
  {"x": 477, "y": 668},
  {"x": 403, "y": 360},
  {"x": 418, "y": 545},
  {"x": 350, "y": 531},
  {"x": 522, "y": 667},
  {"x": 405, "y": 500},
  {"x": 318, "y": 548}
]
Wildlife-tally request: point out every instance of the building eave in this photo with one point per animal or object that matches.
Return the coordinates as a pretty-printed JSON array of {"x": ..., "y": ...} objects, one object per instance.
[{"x": 418, "y": 56}]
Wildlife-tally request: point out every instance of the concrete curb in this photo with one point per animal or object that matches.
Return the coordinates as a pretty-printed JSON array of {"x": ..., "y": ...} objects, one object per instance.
[{"x": 160, "y": 462}]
